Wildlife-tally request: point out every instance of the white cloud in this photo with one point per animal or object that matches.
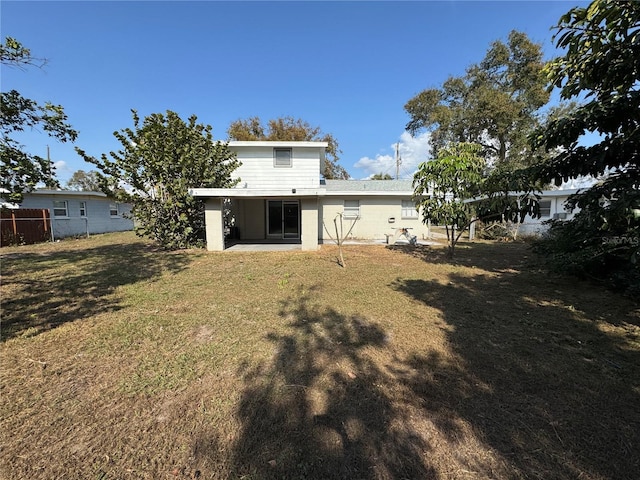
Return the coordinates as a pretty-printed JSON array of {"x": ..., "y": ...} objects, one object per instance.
[
  {"x": 61, "y": 165},
  {"x": 412, "y": 152},
  {"x": 63, "y": 171}
]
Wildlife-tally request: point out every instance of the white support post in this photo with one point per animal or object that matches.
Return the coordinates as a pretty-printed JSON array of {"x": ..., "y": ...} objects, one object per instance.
[{"x": 214, "y": 224}]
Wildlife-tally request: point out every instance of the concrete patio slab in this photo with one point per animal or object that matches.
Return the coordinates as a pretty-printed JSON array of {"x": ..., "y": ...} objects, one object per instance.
[{"x": 263, "y": 247}]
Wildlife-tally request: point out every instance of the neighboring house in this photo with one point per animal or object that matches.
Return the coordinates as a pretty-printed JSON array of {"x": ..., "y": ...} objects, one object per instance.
[
  {"x": 281, "y": 198},
  {"x": 552, "y": 207},
  {"x": 80, "y": 213}
]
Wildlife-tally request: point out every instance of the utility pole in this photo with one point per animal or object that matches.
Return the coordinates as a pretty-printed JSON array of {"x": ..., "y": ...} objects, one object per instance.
[
  {"x": 398, "y": 161},
  {"x": 49, "y": 166}
]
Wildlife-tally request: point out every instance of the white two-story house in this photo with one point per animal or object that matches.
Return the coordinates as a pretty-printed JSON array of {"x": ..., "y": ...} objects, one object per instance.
[{"x": 282, "y": 198}]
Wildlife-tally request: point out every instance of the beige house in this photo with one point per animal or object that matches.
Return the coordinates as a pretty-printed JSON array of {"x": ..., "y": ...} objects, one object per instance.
[{"x": 281, "y": 198}]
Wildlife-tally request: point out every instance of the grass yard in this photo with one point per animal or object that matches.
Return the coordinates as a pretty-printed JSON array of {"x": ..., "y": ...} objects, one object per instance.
[{"x": 121, "y": 361}]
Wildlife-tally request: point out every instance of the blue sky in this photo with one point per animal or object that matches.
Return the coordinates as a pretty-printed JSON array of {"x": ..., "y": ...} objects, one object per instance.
[{"x": 347, "y": 67}]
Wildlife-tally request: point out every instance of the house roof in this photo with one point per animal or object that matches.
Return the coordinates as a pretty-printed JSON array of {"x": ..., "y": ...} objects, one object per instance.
[
  {"x": 559, "y": 193},
  {"x": 65, "y": 193},
  {"x": 369, "y": 187}
]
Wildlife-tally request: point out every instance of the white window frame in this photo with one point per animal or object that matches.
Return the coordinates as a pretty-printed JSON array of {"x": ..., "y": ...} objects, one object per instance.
[
  {"x": 545, "y": 212},
  {"x": 277, "y": 161},
  {"x": 351, "y": 209},
  {"x": 409, "y": 210},
  {"x": 114, "y": 207},
  {"x": 57, "y": 208},
  {"x": 83, "y": 209}
]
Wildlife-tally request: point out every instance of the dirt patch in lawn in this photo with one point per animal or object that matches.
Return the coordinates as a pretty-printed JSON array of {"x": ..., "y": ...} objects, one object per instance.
[{"x": 264, "y": 365}]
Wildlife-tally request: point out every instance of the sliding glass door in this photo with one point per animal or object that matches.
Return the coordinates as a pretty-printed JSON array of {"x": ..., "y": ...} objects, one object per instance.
[{"x": 283, "y": 219}]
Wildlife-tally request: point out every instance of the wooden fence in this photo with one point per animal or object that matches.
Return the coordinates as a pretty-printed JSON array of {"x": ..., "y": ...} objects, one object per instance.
[{"x": 24, "y": 226}]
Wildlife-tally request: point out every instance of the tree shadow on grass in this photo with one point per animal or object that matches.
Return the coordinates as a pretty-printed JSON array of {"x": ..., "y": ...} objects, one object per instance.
[
  {"x": 321, "y": 409},
  {"x": 548, "y": 372},
  {"x": 471, "y": 254},
  {"x": 43, "y": 291}
]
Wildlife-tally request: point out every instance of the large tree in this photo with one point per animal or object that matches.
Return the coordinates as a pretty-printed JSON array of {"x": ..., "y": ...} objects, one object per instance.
[
  {"x": 601, "y": 67},
  {"x": 495, "y": 104},
  {"x": 381, "y": 176},
  {"x": 161, "y": 158},
  {"x": 290, "y": 129},
  {"x": 21, "y": 171},
  {"x": 84, "y": 181}
]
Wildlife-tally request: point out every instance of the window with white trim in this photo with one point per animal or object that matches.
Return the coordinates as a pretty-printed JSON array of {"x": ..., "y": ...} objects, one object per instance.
[
  {"x": 113, "y": 209},
  {"x": 545, "y": 208},
  {"x": 83, "y": 209},
  {"x": 409, "y": 209},
  {"x": 60, "y": 208},
  {"x": 281, "y": 157},
  {"x": 351, "y": 209}
]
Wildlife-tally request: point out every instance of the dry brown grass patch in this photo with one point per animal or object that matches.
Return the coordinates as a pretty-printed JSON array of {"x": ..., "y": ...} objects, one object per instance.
[{"x": 120, "y": 361}]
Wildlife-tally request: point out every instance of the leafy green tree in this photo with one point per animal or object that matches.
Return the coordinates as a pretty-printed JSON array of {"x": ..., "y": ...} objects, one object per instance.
[
  {"x": 21, "y": 171},
  {"x": 290, "y": 129},
  {"x": 161, "y": 158},
  {"x": 455, "y": 191},
  {"x": 443, "y": 185},
  {"x": 84, "y": 181},
  {"x": 601, "y": 65},
  {"x": 381, "y": 176},
  {"x": 495, "y": 104}
]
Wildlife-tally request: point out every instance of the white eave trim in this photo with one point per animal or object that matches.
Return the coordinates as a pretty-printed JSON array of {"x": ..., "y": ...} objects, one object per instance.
[
  {"x": 292, "y": 192},
  {"x": 250, "y": 193},
  {"x": 541, "y": 194},
  {"x": 278, "y": 144}
]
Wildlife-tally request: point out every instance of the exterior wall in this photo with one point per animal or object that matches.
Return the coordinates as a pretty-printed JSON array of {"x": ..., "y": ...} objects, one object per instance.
[
  {"x": 258, "y": 171},
  {"x": 250, "y": 218},
  {"x": 309, "y": 223},
  {"x": 98, "y": 218},
  {"x": 535, "y": 226},
  {"x": 379, "y": 217}
]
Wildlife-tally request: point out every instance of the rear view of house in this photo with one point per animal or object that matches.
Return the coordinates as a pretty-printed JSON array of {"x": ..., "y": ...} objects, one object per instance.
[{"x": 282, "y": 198}]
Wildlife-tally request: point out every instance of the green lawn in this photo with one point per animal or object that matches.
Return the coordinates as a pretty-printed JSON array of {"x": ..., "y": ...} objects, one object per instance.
[{"x": 123, "y": 361}]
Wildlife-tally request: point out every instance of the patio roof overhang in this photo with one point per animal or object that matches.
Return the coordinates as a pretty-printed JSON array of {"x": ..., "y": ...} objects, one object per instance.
[
  {"x": 292, "y": 192},
  {"x": 257, "y": 193}
]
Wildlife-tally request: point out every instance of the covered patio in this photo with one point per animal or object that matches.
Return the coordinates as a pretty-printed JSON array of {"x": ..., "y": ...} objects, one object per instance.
[{"x": 266, "y": 219}]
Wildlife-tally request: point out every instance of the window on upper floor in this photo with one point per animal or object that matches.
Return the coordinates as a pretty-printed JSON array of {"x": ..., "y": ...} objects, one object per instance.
[
  {"x": 83, "y": 209},
  {"x": 60, "y": 208},
  {"x": 282, "y": 157},
  {"x": 351, "y": 209},
  {"x": 409, "y": 209}
]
